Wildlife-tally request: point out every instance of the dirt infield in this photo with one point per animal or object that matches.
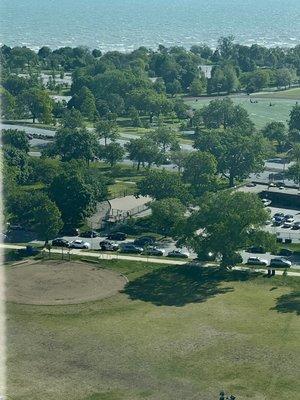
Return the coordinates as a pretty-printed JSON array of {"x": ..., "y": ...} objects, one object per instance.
[{"x": 60, "y": 282}]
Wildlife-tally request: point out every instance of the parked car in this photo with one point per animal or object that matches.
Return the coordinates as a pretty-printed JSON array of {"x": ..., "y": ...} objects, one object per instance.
[
  {"x": 287, "y": 224},
  {"x": 131, "y": 248},
  {"x": 105, "y": 245},
  {"x": 89, "y": 234},
  {"x": 280, "y": 262},
  {"x": 117, "y": 236},
  {"x": 250, "y": 184},
  {"x": 285, "y": 252},
  {"x": 153, "y": 251},
  {"x": 206, "y": 256},
  {"x": 256, "y": 261},
  {"x": 60, "y": 242},
  {"x": 258, "y": 250},
  {"x": 178, "y": 253},
  {"x": 289, "y": 218},
  {"x": 296, "y": 226},
  {"x": 29, "y": 251},
  {"x": 266, "y": 202},
  {"x": 278, "y": 221},
  {"x": 79, "y": 244},
  {"x": 279, "y": 214},
  {"x": 71, "y": 232},
  {"x": 144, "y": 241}
]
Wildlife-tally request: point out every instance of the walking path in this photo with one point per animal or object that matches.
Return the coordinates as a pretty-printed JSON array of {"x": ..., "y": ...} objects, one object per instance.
[{"x": 117, "y": 256}]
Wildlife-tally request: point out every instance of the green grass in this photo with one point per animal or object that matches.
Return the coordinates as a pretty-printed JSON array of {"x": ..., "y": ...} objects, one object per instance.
[
  {"x": 261, "y": 113},
  {"x": 175, "y": 333},
  {"x": 290, "y": 94}
]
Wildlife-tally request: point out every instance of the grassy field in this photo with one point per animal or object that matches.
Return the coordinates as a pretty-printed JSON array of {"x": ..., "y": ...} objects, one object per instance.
[
  {"x": 174, "y": 333},
  {"x": 290, "y": 94},
  {"x": 261, "y": 113}
]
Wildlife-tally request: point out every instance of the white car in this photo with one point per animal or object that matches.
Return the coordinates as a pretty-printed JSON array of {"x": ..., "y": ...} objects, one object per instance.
[
  {"x": 256, "y": 261},
  {"x": 79, "y": 244},
  {"x": 280, "y": 262},
  {"x": 287, "y": 224},
  {"x": 266, "y": 202}
]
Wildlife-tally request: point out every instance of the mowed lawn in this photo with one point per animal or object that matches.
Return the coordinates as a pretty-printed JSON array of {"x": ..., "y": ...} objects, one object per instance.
[
  {"x": 175, "y": 333},
  {"x": 261, "y": 112}
]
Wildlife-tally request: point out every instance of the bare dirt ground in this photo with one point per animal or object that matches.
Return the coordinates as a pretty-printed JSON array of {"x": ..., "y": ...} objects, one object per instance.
[{"x": 60, "y": 282}]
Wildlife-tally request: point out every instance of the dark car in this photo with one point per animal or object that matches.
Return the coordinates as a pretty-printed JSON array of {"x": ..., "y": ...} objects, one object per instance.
[
  {"x": 117, "y": 236},
  {"x": 60, "y": 242},
  {"x": 178, "y": 253},
  {"x": 71, "y": 232},
  {"x": 153, "y": 251},
  {"x": 29, "y": 251},
  {"x": 145, "y": 241},
  {"x": 258, "y": 250},
  {"x": 296, "y": 226},
  {"x": 131, "y": 248},
  {"x": 285, "y": 252},
  {"x": 206, "y": 256},
  {"x": 89, "y": 234},
  {"x": 105, "y": 245}
]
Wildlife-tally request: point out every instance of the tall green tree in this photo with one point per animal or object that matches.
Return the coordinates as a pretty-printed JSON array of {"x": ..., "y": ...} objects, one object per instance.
[
  {"x": 16, "y": 138},
  {"x": 143, "y": 151},
  {"x": 107, "y": 130},
  {"x": 112, "y": 153},
  {"x": 167, "y": 215},
  {"x": 294, "y": 121},
  {"x": 226, "y": 223},
  {"x": 36, "y": 103},
  {"x": 163, "y": 184},
  {"x": 276, "y": 131},
  {"x": 36, "y": 211},
  {"x": 74, "y": 144}
]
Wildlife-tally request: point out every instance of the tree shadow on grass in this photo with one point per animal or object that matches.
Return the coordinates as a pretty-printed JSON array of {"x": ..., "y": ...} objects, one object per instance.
[
  {"x": 180, "y": 285},
  {"x": 288, "y": 303}
]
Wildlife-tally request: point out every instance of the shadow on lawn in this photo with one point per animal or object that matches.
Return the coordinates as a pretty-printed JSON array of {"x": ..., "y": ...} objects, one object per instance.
[
  {"x": 288, "y": 303},
  {"x": 180, "y": 285}
]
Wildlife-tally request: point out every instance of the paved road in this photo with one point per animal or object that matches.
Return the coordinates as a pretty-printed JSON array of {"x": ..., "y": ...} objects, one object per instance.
[{"x": 143, "y": 259}]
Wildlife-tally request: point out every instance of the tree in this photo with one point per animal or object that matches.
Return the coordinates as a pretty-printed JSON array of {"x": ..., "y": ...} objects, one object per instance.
[
  {"x": 284, "y": 77},
  {"x": 179, "y": 158},
  {"x": 37, "y": 103},
  {"x": 36, "y": 211},
  {"x": 15, "y": 138},
  {"x": 106, "y": 129},
  {"x": 238, "y": 152},
  {"x": 200, "y": 170},
  {"x": 8, "y": 104},
  {"x": 72, "y": 119},
  {"x": 224, "y": 113},
  {"x": 293, "y": 172},
  {"x": 294, "y": 121},
  {"x": 231, "y": 81},
  {"x": 197, "y": 87},
  {"x": 167, "y": 215},
  {"x": 143, "y": 150},
  {"x": 85, "y": 102},
  {"x": 74, "y": 144},
  {"x": 162, "y": 184},
  {"x": 165, "y": 137},
  {"x": 258, "y": 80},
  {"x": 276, "y": 131},
  {"x": 226, "y": 223},
  {"x": 74, "y": 198},
  {"x": 112, "y": 153}
]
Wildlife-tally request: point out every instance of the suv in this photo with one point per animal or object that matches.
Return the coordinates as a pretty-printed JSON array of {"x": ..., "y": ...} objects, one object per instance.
[
  {"x": 60, "y": 242},
  {"x": 145, "y": 241},
  {"x": 117, "y": 236},
  {"x": 254, "y": 249},
  {"x": 131, "y": 248},
  {"x": 105, "y": 245},
  {"x": 256, "y": 261},
  {"x": 280, "y": 262}
]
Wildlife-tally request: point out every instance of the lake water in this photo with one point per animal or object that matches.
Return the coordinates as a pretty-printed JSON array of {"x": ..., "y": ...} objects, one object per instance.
[{"x": 127, "y": 24}]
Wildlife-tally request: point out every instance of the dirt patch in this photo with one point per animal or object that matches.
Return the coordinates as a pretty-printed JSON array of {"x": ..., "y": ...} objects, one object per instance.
[{"x": 60, "y": 282}]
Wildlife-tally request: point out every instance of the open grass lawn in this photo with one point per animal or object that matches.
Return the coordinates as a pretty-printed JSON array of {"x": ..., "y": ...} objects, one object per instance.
[
  {"x": 292, "y": 94},
  {"x": 174, "y": 333},
  {"x": 261, "y": 113}
]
